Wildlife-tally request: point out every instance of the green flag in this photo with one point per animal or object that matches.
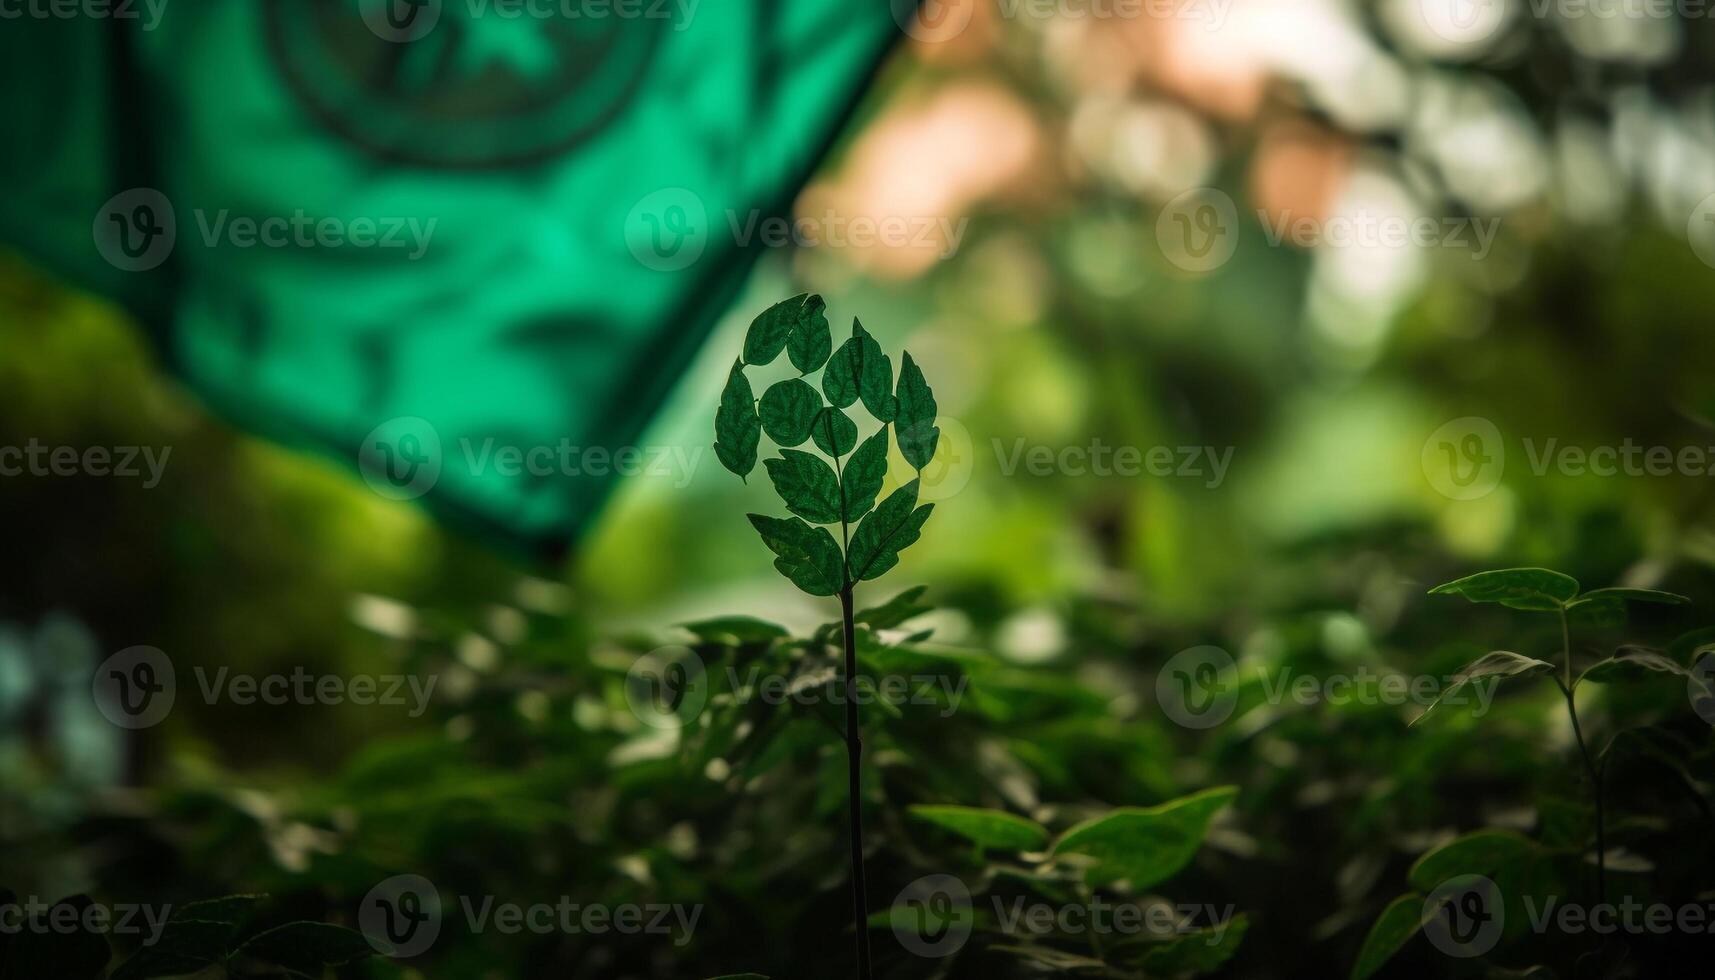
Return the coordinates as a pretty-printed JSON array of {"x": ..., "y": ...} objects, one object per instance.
[{"x": 466, "y": 245}]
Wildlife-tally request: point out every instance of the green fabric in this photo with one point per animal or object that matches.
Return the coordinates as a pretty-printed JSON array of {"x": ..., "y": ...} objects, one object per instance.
[{"x": 579, "y": 173}]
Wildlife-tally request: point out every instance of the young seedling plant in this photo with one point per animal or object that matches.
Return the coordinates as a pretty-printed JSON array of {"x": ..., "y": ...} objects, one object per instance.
[
  {"x": 838, "y": 487},
  {"x": 1491, "y": 851},
  {"x": 1543, "y": 590}
]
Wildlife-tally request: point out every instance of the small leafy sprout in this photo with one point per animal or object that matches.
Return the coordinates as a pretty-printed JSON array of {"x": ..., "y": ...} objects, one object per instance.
[
  {"x": 1543, "y": 590},
  {"x": 836, "y": 484}
]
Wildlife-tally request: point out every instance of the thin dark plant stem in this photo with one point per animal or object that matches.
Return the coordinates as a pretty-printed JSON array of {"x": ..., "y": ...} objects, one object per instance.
[
  {"x": 1589, "y": 764},
  {"x": 854, "y": 738},
  {"x": 854, "y": 758}
]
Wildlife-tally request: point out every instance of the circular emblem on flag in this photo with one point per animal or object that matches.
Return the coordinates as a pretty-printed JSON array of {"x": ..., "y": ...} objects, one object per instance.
[{"x": 449, "y": 84}]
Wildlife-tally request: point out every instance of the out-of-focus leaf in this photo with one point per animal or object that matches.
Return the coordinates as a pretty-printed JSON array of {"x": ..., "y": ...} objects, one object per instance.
[
  {"x": 1201, "y": 951},
  {"x": 1485, "y": 852},
  {"x": 1391, "y": 931},
  {"x": 736, "y": 629},
  {"x": 1497, "y": 663},
  {"x": 985, "y": 828},
  {"x": 307, "y": 949},
  {"x": 1537, "y": 589},
  {"x": 895, "y": 611},
  {"x": 1146, "y": 845}
]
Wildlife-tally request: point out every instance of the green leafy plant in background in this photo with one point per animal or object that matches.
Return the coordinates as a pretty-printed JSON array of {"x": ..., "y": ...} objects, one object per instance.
[
  {"x": 215, "y": 939},
  {"x": 791, "y": 413},
  {"x": 1520, "y": 865}
]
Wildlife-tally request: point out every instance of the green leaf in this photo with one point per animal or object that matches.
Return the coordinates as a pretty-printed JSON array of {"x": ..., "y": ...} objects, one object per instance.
[
  {"x": 834, "y": 432},
  {"x": 885, "y": 532},
  {"x": 184, "y": 947},
  {"x": 860, "y": 370},
  {"x": 789, "y": 410},
  {"x": 1497, "y": 663},
  {"x": 1485, "y": 852},
  {"x": 1537, "y": 589},
  {"x": 915, "y": 420},
  {"x": 807, "y": 484},
  {"x": 1632, "y": 662},
  {"x": 737, "y": 429},
  {"x": 1202, "y": 951},
  {"x": 1146, "y": 845},
  {"x": 1391, "y": 931},
  {"x": 809, "y": 557},
  {"x": 985, "y": 828},
  {"x": 772, "y": 327},
  {"x": 809, "y": 342},
  {"x": 1632, "y": 595},
  {"x": 864, "y": 474},
  {"x": 307, "y": 949},
  {"x": 737, "y": 630},
  {"x": 897, "y": 610}
]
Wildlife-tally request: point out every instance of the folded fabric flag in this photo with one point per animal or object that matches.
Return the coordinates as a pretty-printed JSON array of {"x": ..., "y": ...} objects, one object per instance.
[{"x": 466, "y": 245}]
